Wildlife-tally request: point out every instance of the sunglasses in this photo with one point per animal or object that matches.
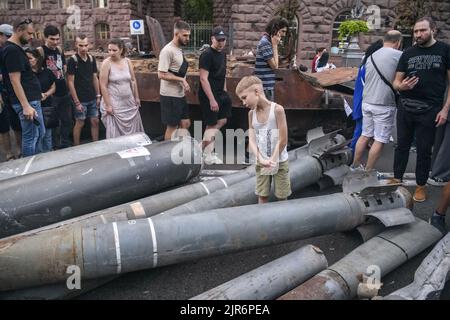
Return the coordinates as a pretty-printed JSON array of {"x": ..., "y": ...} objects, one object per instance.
[{"x": 26, "y": 21}]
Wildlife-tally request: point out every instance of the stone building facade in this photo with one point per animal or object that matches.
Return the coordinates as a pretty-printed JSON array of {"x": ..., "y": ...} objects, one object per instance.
[
  {"x": 99, "y": 19},
  {"x": 316, "y": 21}
]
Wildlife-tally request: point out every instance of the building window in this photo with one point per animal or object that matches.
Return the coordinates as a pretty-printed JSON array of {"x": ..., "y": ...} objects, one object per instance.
[
  {"x": 102, "y": 31},
  {"x": 38, "y": 34},
  {"x": 339, "y": 19},
  {"x": 100, "y": 3},
  {"x": 32, "y": 4},
  {"x": 140, "y": 6},
  {"x": 68, "y": 34},
  {"x": 3, "y": 4},
  {"x": 66, "y": 3}
]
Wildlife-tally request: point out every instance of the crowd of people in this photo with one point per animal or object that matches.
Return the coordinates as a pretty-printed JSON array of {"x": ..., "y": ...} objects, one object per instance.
[
  {"x": 397, "y": 93},
  {"x": 47, "y": 98}
]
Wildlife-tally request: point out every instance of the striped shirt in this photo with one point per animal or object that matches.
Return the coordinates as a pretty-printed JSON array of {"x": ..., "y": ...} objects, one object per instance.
[{"x": 264, "y": 53}]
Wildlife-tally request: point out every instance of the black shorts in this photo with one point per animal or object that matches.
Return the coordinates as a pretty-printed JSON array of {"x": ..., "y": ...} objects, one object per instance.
[
  {"x": 173, "y": 110},
  {"x": 210, "y": 117},
  {"x": 9, "y": 119}
]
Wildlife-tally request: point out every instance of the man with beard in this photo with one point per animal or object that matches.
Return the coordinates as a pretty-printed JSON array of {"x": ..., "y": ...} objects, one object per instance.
[
  {"x": 214, "y": 99},
  {"x": 23, "y": 87},
  {"x": 172, "y": 70},
  {"x": 421, "y": 78}
]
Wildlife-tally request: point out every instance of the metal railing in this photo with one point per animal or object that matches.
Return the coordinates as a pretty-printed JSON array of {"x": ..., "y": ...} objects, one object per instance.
[{"x": 200, "y": 35}]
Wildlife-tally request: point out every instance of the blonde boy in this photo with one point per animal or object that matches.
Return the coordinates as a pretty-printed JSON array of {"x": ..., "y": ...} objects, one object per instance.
[{"x": 268, "y": 139}]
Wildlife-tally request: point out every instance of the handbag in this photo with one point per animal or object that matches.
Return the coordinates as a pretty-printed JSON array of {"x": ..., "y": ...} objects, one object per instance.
[{"x": 408, "y": 104}]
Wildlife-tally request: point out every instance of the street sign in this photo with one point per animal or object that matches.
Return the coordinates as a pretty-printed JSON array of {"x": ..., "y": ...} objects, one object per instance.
[{"x": 137, "y": 27}]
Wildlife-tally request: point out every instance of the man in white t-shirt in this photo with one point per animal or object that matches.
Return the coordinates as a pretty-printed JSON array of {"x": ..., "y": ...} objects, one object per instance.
[{"x": 379, "y": 101}]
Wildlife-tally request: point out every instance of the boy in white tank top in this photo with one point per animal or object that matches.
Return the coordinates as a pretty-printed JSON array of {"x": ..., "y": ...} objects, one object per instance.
[{"x": 267, "y": 140}]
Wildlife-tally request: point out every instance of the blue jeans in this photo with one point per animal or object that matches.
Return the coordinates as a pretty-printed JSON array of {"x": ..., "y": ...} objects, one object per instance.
[
  {"x": 32, "y": 134},
  {"x": 47, "y": 144}
]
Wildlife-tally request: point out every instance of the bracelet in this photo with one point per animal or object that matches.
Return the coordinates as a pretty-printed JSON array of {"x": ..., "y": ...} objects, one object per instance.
[{"x": 99, "y": 96}]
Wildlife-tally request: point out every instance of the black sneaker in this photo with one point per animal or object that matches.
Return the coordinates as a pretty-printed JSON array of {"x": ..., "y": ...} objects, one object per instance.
[{"x": 438, "y": 222}]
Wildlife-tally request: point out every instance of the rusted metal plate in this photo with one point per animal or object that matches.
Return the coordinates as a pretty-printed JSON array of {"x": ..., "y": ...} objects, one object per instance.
[
  {"x": 157, "y": 38},
  {"x": 331, "y": 77},
  {"x": 291, "y": 91}
]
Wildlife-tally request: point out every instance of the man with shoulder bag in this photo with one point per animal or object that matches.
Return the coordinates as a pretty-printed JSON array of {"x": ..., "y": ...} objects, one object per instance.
[
  {"x": 421, "y": 79},
  {"x": 379, "y": 100}
]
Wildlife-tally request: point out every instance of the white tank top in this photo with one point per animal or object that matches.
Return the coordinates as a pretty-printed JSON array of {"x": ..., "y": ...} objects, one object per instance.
[{"x": 267, "y": 135}]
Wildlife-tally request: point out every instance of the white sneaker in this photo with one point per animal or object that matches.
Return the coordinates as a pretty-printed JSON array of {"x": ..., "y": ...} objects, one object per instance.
[
  {"x": 357, "y": 168},
  {"x": 437, "y": 182},
  {"x": 212, "y": 158}
]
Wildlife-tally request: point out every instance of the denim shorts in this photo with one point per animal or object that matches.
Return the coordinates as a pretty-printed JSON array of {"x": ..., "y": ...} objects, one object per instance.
[{"x": 89, "y": 110}]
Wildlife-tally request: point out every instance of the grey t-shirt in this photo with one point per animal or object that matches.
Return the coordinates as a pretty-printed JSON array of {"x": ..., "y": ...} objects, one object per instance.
[{"x": 377, "y": 92}]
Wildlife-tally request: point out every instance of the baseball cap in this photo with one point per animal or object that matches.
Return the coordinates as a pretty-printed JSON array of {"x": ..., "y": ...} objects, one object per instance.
[
  {"x": 6, "y": 29},
  {"x": 219, "y": 33}
]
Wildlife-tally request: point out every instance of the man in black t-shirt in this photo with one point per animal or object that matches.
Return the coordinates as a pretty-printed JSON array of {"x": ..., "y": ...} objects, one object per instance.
[
  {"x": 421, "y": 78},
  {"x": 55, "y": 61},
  {"x": 84, "y": 87},
  {"x": 23, "y": 87},
  {"x": 214, "y": 100}
]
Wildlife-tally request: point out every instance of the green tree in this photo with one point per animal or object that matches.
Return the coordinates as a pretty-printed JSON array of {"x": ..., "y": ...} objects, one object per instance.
[
  {"x": 198, "y": 10},
  {"x": 409, "y": 11}
]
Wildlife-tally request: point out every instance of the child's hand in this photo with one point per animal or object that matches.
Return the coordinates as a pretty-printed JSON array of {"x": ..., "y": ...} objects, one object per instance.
[{"x": 267, "y": 163}]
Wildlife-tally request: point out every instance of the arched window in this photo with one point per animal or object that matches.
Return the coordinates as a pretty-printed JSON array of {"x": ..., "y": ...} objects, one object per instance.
[
  {"x": 32, "y": 4},
  {"x": 68, "y": 38},
  {"x": 100, "y": 3},
  {"x": 102, "y": 31},
  {"x": 346, "y": 15},
  {"x": 66, "y": 3},
  {"x": 4, "y": 4}
]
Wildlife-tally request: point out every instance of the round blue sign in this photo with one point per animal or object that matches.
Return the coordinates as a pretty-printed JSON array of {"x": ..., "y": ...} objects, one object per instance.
[{"x": 136, "y": 25}]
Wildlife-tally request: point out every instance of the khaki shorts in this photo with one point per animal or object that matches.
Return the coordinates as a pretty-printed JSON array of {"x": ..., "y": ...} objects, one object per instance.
[{"x": 282, "y": 182}]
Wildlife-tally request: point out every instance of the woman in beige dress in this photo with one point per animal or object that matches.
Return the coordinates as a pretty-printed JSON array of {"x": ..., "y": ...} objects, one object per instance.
[{"x": 120, "y": 103}]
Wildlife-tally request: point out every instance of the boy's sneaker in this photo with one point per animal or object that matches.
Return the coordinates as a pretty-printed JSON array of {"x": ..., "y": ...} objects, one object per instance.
[
  {"x": 438, "y": 221},
  {"x": 212, "y": 158},
  {"x": 437, "y": 182},
  {"x": 357, "y": 168}
]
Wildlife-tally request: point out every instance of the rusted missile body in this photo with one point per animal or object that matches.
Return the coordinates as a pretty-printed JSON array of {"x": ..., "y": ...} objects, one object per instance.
[
  {"x": 121, "y": 247},
  {"x": 273, "y": 279},
  {"x": 46, "y": 197},
  {"x": 377, "y": 257},
  {"x": 45, "y": 161}
]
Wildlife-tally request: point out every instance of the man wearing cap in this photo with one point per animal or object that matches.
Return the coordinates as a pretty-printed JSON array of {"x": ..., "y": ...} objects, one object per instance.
[
  {"x": 214, "y": 99},
  {"x": 8, "y": 118},
  {"x": 23, "y": 87}
]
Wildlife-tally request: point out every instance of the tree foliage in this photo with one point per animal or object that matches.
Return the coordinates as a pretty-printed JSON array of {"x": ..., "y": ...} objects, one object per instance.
[
  {"x": 198, "y": 10},
  {"x": 409, "y": 11},
  {"x": 352, "y": 27}
]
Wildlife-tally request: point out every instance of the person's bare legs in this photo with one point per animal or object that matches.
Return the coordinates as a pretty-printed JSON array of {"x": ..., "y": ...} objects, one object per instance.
[
  {"x": 374, "y": 155},
  {"x": 444, "y": 201},
  {"x": 6, "y": 145},
  {"x": 170, "y": 130},
  {"x": 209, "y": 136},
  {"x": 361, "y": 147},
  {"x": 79, "y": 124},
  {"x": 94, "y": 129},
  {"x": 18, "y": 138}
]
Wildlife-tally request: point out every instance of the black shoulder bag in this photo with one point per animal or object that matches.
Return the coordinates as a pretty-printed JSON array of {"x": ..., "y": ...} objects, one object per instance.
[
  {"x": 397, "y": 96},
  {"x": 408, "y": 104}
]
